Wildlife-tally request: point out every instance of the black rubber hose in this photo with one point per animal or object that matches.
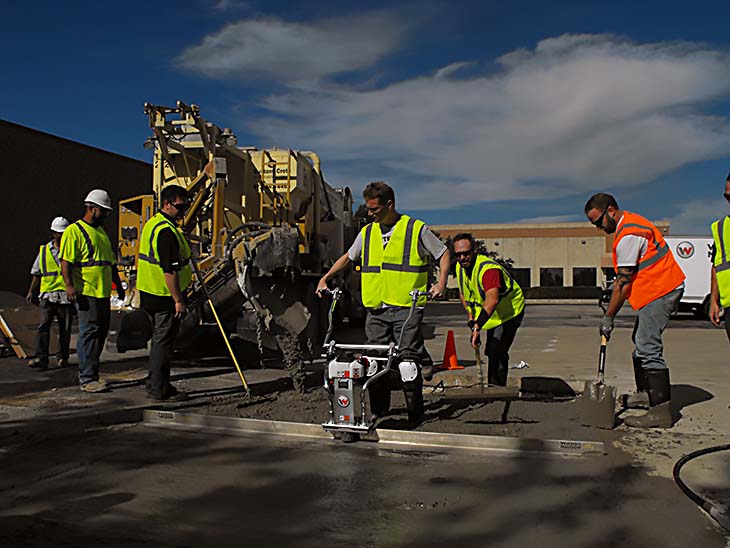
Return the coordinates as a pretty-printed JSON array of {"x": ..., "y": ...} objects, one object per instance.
[{"x": 707, "y": 506}]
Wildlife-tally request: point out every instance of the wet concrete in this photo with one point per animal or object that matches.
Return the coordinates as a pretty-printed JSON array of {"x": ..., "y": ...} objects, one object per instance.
[
  {"x": 77, "y": 470},
  {"x": 136, "y": 486}
]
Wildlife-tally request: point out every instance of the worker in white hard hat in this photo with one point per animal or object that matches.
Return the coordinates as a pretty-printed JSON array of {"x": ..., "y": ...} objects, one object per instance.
[
  {"x": 89, "y": 267},
  {"x": 52, "y": 300}
]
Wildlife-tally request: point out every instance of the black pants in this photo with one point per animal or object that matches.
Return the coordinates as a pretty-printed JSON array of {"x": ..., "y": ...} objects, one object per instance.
[
  {"x": 383, "y": 326},
  {"x": 164, "y": 332},
  {"x": 64, "y": 314},
  {"x": 499, "y": 341},
  {"x": 726, "y": 318}
]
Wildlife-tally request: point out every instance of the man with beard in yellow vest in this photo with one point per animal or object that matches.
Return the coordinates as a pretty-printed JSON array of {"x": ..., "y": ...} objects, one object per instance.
[
  {"x": 163, "y": 274},
  {"x": 394, "y": 251},
  {"x": 89, "y": 268},
  {"x": 493, "y": 302},
  {"x": 720, "y": 274},
  {"x": 53, "y": 302}
]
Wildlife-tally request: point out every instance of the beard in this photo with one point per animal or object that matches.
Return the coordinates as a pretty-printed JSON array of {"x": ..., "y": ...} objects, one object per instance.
[{"x": 611, "y": 225}]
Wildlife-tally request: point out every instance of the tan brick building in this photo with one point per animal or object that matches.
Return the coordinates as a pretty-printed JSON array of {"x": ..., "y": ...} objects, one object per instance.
[{"x": 549, "y": 254}]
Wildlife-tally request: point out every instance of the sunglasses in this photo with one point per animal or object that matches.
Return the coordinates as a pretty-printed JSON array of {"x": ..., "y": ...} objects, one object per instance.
[
  {"x": 598, "y": 223},
  {"x": 180, "y": 206},
  {"x": 463, "y": 253}
]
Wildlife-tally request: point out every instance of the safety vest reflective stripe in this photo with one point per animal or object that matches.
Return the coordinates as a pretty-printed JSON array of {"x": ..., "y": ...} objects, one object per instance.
[
  {"x": 723, "y": 264},
  {"x": 657, "y": 272},
  {"x": 51, "y": 279},
  {"x": 511, "y": 301},
  {"x": 150, "y": 276},
  {"x": 90, "y": 247},
  {"x": 153, "y": 235},
  {"x": 720, "y": 234},
  {"x": 390, "y": 272},
  {"x": 662, "y": 250},
  {"x": 367, "y": 268},
  {"x": 44, "y": 267}
]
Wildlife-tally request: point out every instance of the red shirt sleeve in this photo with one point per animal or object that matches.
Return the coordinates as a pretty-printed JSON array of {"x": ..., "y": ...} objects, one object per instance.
[{"x": 492, "y": 278}]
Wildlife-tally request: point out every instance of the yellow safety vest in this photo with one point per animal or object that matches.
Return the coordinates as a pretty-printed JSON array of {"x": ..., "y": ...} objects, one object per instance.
[
  {"x": 150, "y": 276},
  {"x": 390, "y": 274},
  {"x": 511, "y": 300},
  {"x": 92, "y": 261},
  {"x": 51, "y": 279},
  {"x": 721, "y": 235}
]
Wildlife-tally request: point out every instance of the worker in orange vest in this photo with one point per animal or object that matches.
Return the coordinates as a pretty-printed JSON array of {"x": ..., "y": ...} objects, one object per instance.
[{"x": 648, "y": 276}]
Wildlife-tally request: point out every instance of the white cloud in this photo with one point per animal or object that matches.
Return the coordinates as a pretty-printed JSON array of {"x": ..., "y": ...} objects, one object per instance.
[
  {"x": 576, "y": 114},
  {"x": 696, "y": 216},
  {"x": 293, "y": 51}
]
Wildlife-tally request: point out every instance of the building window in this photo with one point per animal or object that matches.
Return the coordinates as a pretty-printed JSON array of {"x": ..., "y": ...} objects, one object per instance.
[
  {"x": 522, "y": 276},
  {"x": 584, "y": 277},
  {"x": 610, "y": 275},
  {"x": 551, "y": 277}
]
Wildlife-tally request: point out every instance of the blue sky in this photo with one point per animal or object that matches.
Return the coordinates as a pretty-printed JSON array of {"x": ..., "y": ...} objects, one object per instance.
[{"x": 476, "y": 112}]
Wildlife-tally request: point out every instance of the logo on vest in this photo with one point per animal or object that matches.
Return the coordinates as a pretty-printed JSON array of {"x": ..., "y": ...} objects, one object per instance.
[{"x": 685, "y": 250}]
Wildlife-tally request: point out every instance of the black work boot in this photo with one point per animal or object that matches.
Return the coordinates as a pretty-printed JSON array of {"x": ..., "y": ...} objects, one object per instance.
[
  {"x": 497, "y": 373},
  {"x": 639, "y": 399},
  {"x": 414, "y": 404},
  {"x": 660, "y": 405},
  {"x": 379, "y": 394}
]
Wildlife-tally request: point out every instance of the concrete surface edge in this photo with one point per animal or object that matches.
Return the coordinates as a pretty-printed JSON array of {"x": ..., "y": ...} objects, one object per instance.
[{"x": 424, "y": 440}]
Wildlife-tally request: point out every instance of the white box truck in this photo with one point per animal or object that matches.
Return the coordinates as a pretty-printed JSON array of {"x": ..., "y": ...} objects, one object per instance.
[{"x": 693, "y": 255}]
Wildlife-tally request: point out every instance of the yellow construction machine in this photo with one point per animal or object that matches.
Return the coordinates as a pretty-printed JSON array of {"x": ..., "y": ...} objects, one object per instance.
[{"x": 263, "y": 225}]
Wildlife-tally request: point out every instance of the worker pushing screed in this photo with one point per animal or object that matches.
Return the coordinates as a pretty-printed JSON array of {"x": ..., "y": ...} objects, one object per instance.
[
  {"x": 394, "y": 251},
  {"x": 651, "y": 280}
]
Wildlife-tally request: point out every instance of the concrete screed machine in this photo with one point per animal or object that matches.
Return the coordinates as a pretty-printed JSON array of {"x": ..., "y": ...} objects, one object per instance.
[
  {"x": 350, "y": 369},
  {"x": 263, "y": 226}
]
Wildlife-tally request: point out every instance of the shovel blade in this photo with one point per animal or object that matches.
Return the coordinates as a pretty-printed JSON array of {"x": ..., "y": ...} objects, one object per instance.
[{"x": 597, "y": 405}]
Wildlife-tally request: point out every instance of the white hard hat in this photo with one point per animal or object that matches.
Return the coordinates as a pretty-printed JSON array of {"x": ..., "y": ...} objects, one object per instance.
[
  {"x": 59, "y": 224},
  {"x": 100, "y": 198}
]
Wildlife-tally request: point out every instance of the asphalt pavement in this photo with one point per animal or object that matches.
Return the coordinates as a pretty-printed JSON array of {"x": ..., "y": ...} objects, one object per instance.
[{"x": 79, "y": 470}]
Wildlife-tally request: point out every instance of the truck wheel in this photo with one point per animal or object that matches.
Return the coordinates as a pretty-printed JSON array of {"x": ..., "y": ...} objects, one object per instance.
[{"x": 702, "y": 312}]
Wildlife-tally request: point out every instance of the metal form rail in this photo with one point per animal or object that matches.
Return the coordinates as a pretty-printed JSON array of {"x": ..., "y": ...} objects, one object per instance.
[{"x": 427, "y": 441}]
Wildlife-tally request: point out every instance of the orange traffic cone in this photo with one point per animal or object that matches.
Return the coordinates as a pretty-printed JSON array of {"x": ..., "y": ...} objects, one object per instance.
[{"x": 450, "y": 362}]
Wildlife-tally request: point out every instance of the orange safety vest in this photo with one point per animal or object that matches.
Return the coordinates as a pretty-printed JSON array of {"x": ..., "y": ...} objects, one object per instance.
[{"x": 658, "y": 272}]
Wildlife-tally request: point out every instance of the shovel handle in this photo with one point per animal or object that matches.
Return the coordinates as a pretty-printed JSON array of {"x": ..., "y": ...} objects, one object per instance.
[{"x": 602, "y": 359}]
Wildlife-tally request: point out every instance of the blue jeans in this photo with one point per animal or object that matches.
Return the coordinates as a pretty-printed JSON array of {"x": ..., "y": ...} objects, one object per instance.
[
  {"x": 649, "y": 327},
  {"x": 94, "y": 317}
]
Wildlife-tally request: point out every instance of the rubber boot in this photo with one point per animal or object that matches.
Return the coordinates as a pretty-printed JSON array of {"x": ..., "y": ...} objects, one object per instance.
[
  {"x": 660, "y": 405},
  {"x": 413, "y": 393},
  {"x": 639, "y": 399},
  {"x": 497, "y": 372},
  {"x": 379, "y": 393}
]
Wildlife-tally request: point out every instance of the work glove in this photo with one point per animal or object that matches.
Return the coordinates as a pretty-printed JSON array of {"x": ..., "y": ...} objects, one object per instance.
[{"x": 606, "y": 327}]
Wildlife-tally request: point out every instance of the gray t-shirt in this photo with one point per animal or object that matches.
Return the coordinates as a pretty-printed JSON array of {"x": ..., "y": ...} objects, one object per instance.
[{"x": 428, "y": 244}]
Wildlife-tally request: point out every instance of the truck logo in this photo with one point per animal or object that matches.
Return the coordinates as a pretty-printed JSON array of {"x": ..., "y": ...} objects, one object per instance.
[
  {"x": 685, "y": 250},
  {"x": 343, "y": 401}
]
